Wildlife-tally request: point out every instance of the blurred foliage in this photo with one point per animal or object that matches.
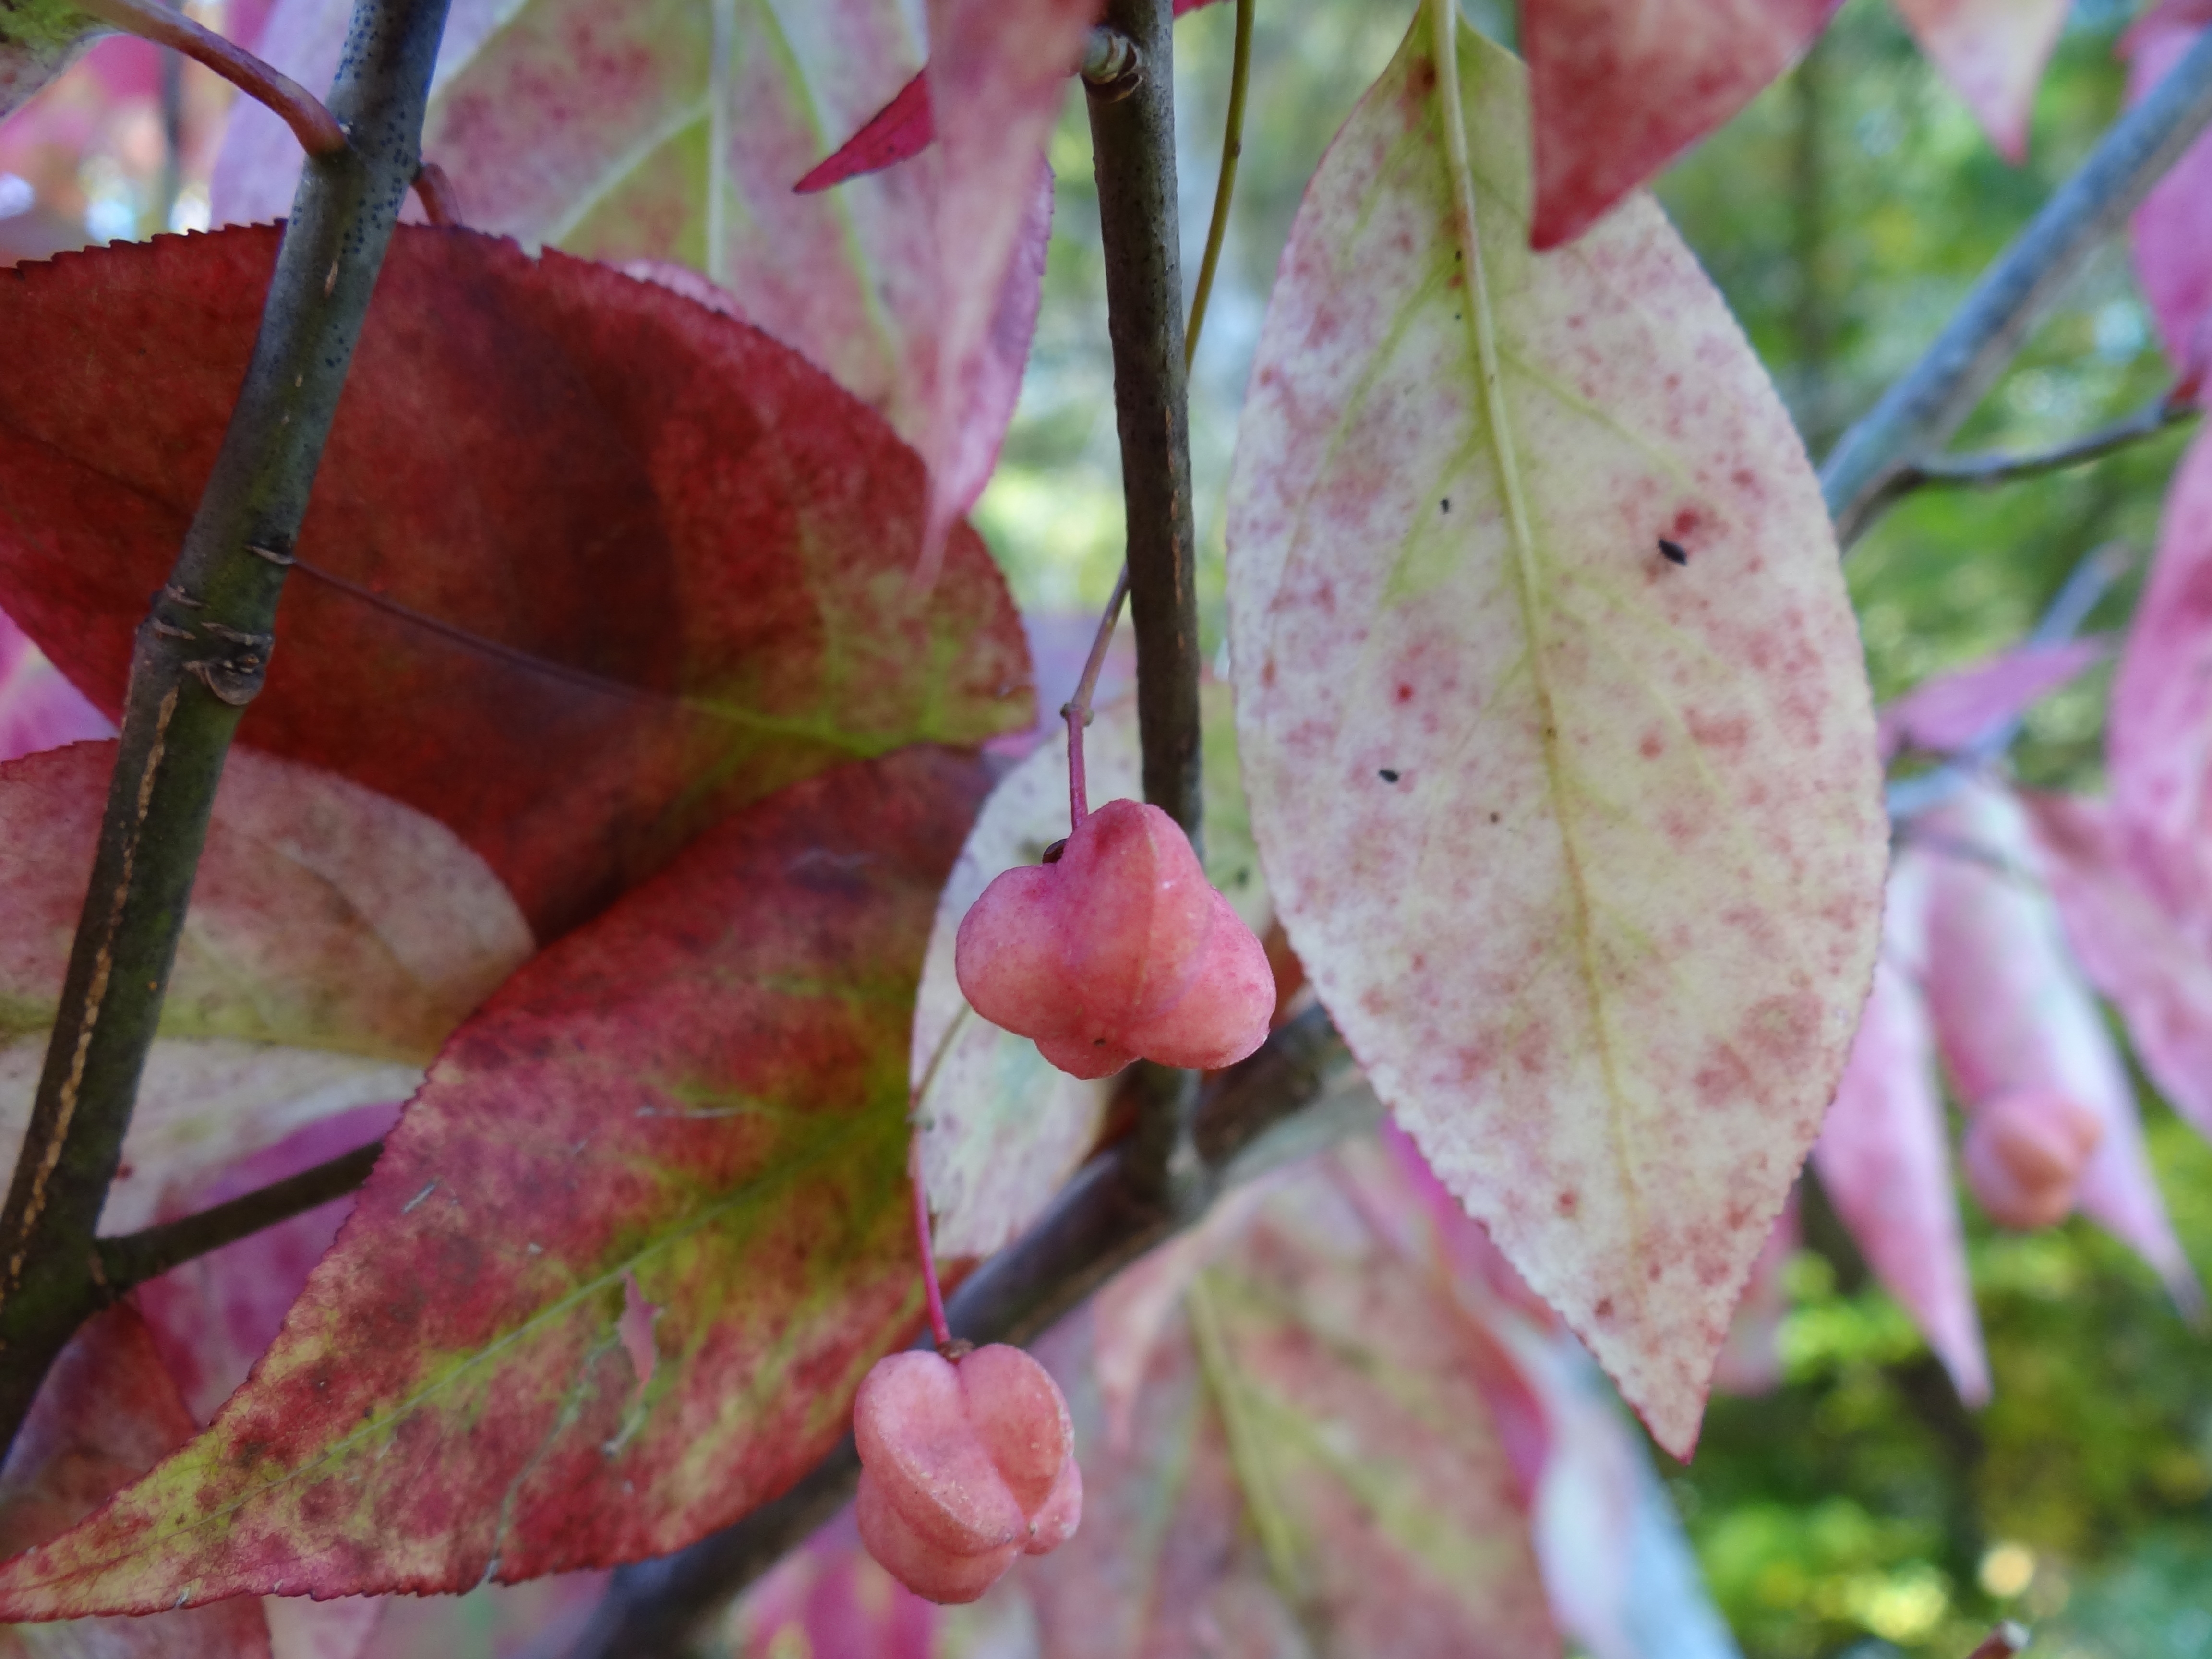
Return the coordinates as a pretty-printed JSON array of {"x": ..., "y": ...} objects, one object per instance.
[{"x": 1859, "y": 1510}]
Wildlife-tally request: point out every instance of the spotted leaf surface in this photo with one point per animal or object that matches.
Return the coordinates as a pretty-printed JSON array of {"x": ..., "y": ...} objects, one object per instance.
[
  {"x": 1002, "y": 1127},
  {"x": 1554, "y": 725},
  {"x": 1620, "y": 90},
  {"x": 1308, "y": 1451},
  {"x": 644, "y": 565},
  {"x": 2172, "y": 234},
  {"x": 703, "y": 1092}
]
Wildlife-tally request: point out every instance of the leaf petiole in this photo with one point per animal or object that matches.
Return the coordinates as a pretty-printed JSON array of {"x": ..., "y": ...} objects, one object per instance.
[{"x": 316, "y": 127}]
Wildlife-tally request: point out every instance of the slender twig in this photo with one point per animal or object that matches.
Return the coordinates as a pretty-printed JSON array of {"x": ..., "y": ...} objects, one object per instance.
[
  {"x": 933, "y": 1293},
  {"x": 198, "y": 661},
  {"x": 136, "y": 1257},
  {"x": 1986, "y": 471},
  {"x": 1917, "y": 415},
  {"x": 1224, "y": 186},
  {"x": 1076, "y": 711},
  {"x": 1106, "y": 1218},
  {"x": 316, "y": 127},
  {"x": 2003, "y": 1643},
  {"x": 441, "y": 203},
  {"x": 1133, "y": 140}
]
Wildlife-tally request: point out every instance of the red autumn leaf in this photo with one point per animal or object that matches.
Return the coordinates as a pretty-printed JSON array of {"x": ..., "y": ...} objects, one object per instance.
[
  {"x": 107, "y": 1413},
  {"x": 2171, "y": 231},
  {"x": 705, "y": 1089},
  {"x": 2159, "y": 740},
  {"x": 213, "y": 1316},
  {"x": 2013, "y": 1013},
  {"x": 1620, "y": 90},
  {"x": 607, "y": 132},
  {"x": 1993, "y": 53},
  {"x": 1951, "y": 712},
  {"x": 1882, "y": 1156},
  {"x": 900, "y": 130},
  {"x": 636, "y": 566},
  {"x": 39, "y": 709}
]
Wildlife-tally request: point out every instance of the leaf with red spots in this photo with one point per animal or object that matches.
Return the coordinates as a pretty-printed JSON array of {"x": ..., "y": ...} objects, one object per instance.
[
  {"x": 644, "y": 565},
  {"x": 2012, "y": 1012},
  {"x": 1952, "y": 711},
  {"x": 1992, "y": 52},
  {"x": 608, "y": 132},
  {"x": 1582, "y": 847},
  {"x": 1620, "y": 90},
  {"x": 1002, "y": 1128},
  {"x": 704, "y": 1090},
  {"x": 1883, "y": 1157},
  {"x": 1309, "y": 1450},
  {"x": 2173, "y": 232},
  {"x": 107, "y": 1413}
]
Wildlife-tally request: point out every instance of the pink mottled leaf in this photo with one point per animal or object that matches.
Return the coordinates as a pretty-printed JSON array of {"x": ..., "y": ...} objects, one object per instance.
[
  {"x": 1950, "y": 711},
  {"x": 39, "y": 709},
  {"x": 1883, "y": 1157},
  {"x": 2135, "y": 914},
  {"x": 1992, "y": 52},
  {"x": 2172, "y": 234},
  {"x": 2012, "y": 1012},
  {"x": 106, "y": 1413},
  {"x": 714, "y": 542},
  {"x": 1750, "y": 1362},
  {"x": 1307, "y": 1448},
  {"x": 1620, "y": 90},
  {"x": 1581, "y": 846},
  {"x": 705, "y": 1089},
  {"x": 2159, "y": 742},
  {"x": 323, "y": 916},
  {"x": 829, "y": 1598}
]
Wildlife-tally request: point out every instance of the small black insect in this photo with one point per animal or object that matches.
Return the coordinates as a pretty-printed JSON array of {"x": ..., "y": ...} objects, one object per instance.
[
  {"x": 1052, "y": 852},
  {"x": 1674, "y": 552},
  {"x": 1387, "y": 775},
  {"x": 1445, "y": 504}
]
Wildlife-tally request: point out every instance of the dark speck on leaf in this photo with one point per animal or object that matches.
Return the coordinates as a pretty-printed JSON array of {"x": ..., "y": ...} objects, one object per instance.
[
  {"x": 1052, "y": 852},
  {"x": 1674, "y": 552},
  {"x": 1446, "y": 504},
  {"x": 1387, "y": 775}
]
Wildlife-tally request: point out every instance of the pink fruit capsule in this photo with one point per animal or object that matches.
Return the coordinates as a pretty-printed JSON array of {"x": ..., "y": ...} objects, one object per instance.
[
  {"x": 1117, "y": 950},
  {"x": 964, "y": 1465},
  {"x": 2024, "y": 1150}
]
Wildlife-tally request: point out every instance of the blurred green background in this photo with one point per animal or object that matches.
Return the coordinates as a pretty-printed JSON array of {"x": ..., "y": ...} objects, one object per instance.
[{"x": 1858, "y": 1509}]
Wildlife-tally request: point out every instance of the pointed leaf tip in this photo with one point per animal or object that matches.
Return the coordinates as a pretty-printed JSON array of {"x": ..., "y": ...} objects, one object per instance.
[{"x": 1602, "y": 942}]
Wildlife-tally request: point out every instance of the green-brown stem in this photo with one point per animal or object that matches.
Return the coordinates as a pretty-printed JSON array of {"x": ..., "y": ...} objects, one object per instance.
[{"x": 198, "y": 661}]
